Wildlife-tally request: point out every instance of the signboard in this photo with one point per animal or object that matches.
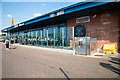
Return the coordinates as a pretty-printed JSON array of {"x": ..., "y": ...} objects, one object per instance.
[{"x": 83, "y": 19}]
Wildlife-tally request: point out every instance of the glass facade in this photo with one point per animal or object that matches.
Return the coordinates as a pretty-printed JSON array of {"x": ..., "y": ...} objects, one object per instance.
[{"x": 54, "y": 36}]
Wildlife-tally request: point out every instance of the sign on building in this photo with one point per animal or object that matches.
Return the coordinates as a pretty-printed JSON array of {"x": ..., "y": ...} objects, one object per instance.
[{"x": 83, "y": 19}]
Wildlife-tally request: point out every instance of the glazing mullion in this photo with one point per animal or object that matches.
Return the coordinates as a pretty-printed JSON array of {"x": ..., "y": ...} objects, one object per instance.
[
  {"x": 62, "y": 37},
  {"x": 47, "y": 37},
  {"x": 54, "y": 36}
]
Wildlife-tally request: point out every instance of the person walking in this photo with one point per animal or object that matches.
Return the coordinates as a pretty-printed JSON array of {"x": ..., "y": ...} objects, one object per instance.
[
  {"x": 12, "y": 43},
  {"x": 7, "y": 42}
]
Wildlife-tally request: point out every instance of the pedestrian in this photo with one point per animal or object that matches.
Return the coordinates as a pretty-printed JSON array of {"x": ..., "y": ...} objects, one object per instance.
[
  {"x": 7, "y": 42},
  {"x": 12, "y": 43},
  {"x": 29, "y": 41},
  {"x": 26, "y": 40},
  {"x": 34, "y": 41},
  {"x": 39, "y": 41}
]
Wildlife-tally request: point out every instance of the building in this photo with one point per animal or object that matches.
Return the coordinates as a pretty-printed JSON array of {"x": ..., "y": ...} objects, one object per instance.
[{"x": 59, "y": 28}]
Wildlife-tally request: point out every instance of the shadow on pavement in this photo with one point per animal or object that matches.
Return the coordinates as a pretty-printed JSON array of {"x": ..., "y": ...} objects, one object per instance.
[
  {"x": 64, "y": 74},
  {"x": 110, "y": 67},
  {"x": 114, "y": 60}
]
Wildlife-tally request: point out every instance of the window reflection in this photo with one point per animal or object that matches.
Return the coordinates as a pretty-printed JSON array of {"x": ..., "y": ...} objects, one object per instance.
[{"x": 57, "y": 36}]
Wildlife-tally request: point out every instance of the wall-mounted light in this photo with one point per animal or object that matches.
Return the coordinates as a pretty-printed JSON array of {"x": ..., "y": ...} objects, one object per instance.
[{"x": 94, "y": 16}]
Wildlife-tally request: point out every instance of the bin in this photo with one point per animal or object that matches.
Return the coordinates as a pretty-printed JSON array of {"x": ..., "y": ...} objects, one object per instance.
[{"x": 109, "y": 49}]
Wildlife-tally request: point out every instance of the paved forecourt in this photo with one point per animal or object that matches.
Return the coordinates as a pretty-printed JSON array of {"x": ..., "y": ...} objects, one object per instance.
[{"x": 28, "y": 62}]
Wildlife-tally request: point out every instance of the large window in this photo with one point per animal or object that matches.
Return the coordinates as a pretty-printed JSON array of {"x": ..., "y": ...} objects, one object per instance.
[
  {"x": 21, "y": 37},
  {"x": 54, "y": 36},
  {"x": 50, "y": 37}
]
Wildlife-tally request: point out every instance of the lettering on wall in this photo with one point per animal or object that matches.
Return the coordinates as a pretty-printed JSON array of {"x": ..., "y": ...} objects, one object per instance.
[
  {"x": 58, "y": 14},
  {"x": 52, "y": 15},
  {"x": 21, "y": 24},
  {"x": 16, "y": 25},
  {"x": 5, "y": 30}
]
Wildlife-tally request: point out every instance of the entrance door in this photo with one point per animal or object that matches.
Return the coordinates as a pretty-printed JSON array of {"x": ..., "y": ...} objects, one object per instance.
[{"x": 82, "y": 45}]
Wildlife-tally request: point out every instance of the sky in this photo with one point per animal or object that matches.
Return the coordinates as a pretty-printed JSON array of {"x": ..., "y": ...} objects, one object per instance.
[{"x": 22, "y": 11}]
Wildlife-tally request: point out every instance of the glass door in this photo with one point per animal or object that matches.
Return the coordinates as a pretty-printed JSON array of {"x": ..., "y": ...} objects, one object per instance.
[
  {"x": 29, "y": 37},
  {"x": 37, "y": 37},
  {"x": 50, "y": 37},
  {"x": 44, "y": 38}
]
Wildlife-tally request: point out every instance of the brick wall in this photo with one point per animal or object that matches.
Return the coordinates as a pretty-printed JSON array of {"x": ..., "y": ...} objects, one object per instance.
[{"x": 104, "y": 27}]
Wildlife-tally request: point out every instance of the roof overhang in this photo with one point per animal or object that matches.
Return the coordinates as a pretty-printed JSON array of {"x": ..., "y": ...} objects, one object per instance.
[{"x": 79, "y": 9}]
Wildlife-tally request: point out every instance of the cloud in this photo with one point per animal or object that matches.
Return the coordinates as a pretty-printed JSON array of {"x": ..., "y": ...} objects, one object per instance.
[
  {"x": 43, "y": 4},
  {"x": 9, "y": 15},
  {"x": 37, "y": 14}
]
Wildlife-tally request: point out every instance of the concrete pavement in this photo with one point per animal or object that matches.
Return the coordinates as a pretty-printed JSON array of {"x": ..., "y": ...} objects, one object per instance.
[{"x": 27, "y": 62}]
